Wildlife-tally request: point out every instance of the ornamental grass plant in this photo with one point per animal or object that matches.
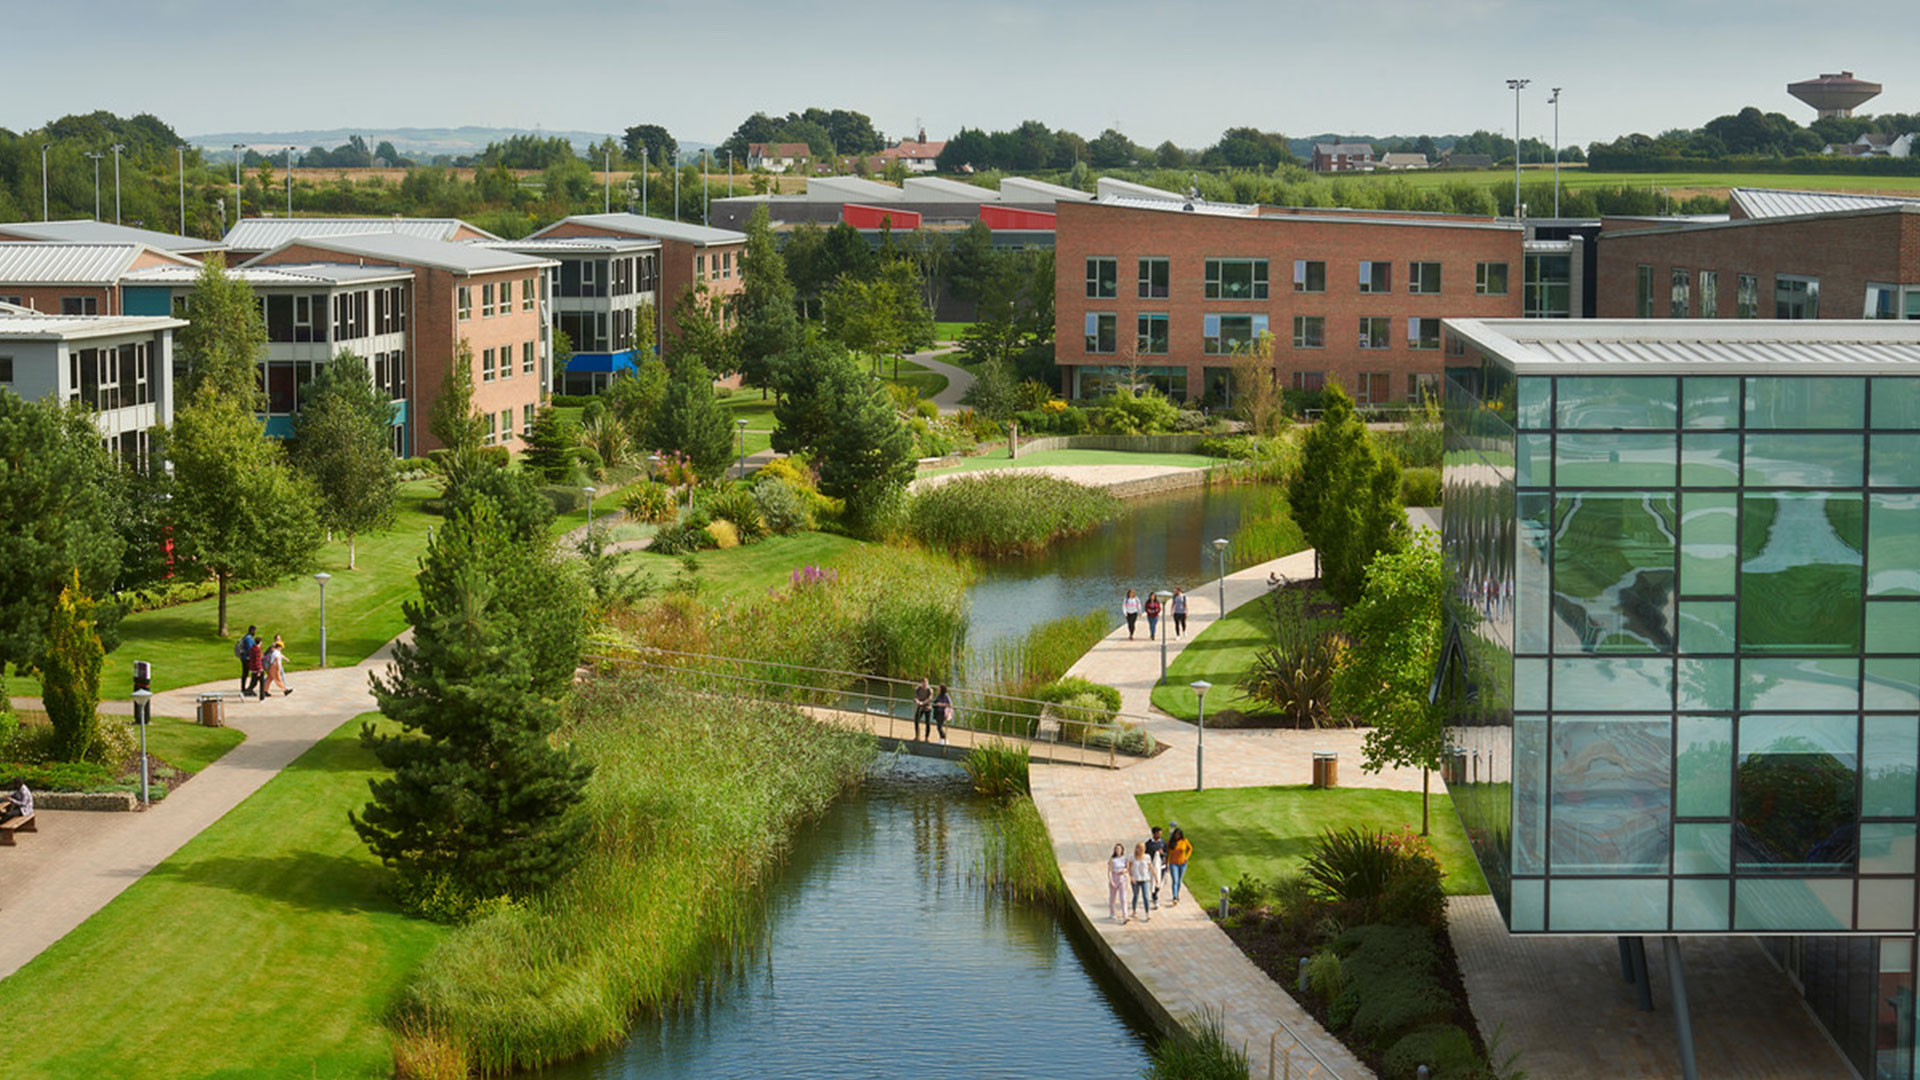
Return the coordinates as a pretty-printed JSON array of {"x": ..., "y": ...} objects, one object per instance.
[{"x": 1006, "y": 513}]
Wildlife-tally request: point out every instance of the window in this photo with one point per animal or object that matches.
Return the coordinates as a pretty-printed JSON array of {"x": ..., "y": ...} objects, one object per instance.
[
  {"x": 1311, "y": 382},
  {"x": 1236, "y": 279},
  {"x": 1490, "y": 279},
  {"x": 18, "y": 302},
  {"x": 1549, "y": 286},
  {"x": 726, "y": 265},
  {"x": 699, "y": 268},
  {"x": 6, "y": 369},
  {"x": 506, "y": 425},
  {"x": 493, "y": 429},
  {"x": 1309, "y": 275},
  {"x": 350, "y": 316},
  {"x": 1709, "y": 294},
  {"x": 1373, "y": 388},
  {"x": 1152, "y": 331},
  {"x": 1423, "y": 277},
  {"x": 486, "y": 301},
  {"x": 1796, "y": 297},
  {"x": 526, "y": 294},
  {"x": 463, "y": 302},
  {"x": 1226, "y": 333},
  {"x": 79, "y": 305},
  {"x": 1883, "y": 301},
  {"x": 1376, "y": 277},
  {"x": 1103, "y": 279},
  {"x": 1680, "y": 298},
  {"x": 486, "y": 366},
  {"x": 526, "y": 421},
  {"x": 1423, "y": 388},
  {"x": 1309, "y": 331},
  {"x": 1154, "y": 279},
  {"x": 1423, "y": 333},
  {"x": 1102, "y": 332},
  {"x": 1746, "y": 296},
  {"x": 526, "y": 358},
  {"x": 1373, "y": 332},
  {"x": 1643, "y": 292}
]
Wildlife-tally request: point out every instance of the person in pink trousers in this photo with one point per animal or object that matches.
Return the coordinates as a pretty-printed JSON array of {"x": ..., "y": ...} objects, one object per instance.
[{"x": 1117, "y": 884}]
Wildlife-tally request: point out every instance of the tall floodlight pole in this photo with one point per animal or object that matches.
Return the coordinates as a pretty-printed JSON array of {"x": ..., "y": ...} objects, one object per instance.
[
  {"x": 44, "y": 147},
  {"x": 289, "y": 181},
  {"x": 676, "y": 185},
  {"x": 706, "y": 200},
  {"x": 1555, "y": 102},
  {"x": 180, "y": 154},
  {"x": 116, "y": 148},
  {"x": 729, "y": 172},
  {"x": 606, "y": 176},
  {"x": 97, "y": 157},
  {"x": 237, "y": 147},
  {"x": 646, "y": 166},
  {"x": 1516, "y": 85}
]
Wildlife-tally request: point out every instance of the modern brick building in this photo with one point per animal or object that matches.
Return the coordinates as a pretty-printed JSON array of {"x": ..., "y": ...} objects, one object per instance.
[
  {"x": 603, "y": 289},
  {"x": 690, "y": 256},
  {"x": 62, "y": 278},
  {"x": 1164, "y": 291}
]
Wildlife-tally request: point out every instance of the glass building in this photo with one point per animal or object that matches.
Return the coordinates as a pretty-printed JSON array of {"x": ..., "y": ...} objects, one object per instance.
[{"x": 1683, "y": 647}]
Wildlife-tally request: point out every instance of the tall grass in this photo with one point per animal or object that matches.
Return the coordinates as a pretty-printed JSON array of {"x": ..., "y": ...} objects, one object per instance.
[
  {"x": 1007, "y": 513},
  {"x": 1042, "y": 654},
  {"x": 693, "y": 799},
  {"x": 1202, "y": 1052},
  {"x": 998, "y": 770},
  {"x": 1017, "y": 858},
  {"x": 1267, "y": 531}
]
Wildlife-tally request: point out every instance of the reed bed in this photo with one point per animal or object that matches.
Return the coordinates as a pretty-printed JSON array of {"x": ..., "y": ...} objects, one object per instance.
[
  {"x": 1017, "y": 859},
  {"x": 1006, "y": 514},
  {"x": 693, "y": 799},
  {"x": 1267, "y": 531}
]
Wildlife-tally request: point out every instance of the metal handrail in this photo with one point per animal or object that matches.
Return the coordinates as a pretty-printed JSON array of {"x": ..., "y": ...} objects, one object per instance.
[{"x": 1273, "y": 1051}]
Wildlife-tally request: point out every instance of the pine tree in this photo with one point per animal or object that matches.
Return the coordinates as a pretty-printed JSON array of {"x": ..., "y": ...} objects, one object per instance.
[
  {"x": 70, "y": 674},
  {"x": 550, "y": 445},
  {"x": 691, "y": 420},
  {"x": 1346, "y": 497},
  {"x": 769, "y": 328},
  {"x": 342, "y": 441},
  {"x": 866, "y": 455}
]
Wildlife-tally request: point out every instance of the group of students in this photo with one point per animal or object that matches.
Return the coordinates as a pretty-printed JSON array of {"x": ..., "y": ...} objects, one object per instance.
[
  {"x": 932, "y": 709},
  {"x": 1141, "y": 873},
  {"x": 261, "y": 666},
  {"x": 1132, "y": 608}
]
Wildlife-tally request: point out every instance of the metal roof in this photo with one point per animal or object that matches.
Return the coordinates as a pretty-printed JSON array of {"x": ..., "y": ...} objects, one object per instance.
[
  {"x": 1196, "y": 206},
  {"x": 1327, "y": 215},
  {"x": 48, "y": 262},
  {"x": 1107, "y": 188},
  {"x": 84, "y": 231},
  {"x": 38, "y": 327},
  {"x": 403, "y": 250},
  {"x": 1022, "y": 189},
  {"x": 940, "y": 189},
  {"x": 1773, "y": 202},
  {"x": 1348, "y": 148},
  {"x": 1681, "y": 346},
  {"x": 571, "y": 245},
  {"x": 308, "y": 274},
  {"x": 265, "y": 234},
  {"x": 657, "y": 228}
]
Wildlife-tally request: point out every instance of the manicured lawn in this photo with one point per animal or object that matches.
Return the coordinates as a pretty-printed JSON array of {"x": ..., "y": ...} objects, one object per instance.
[
  {"x": 265, "y": 947},
  {"x": 751, "y": 570},
  {"x": 1078, "y": 457},
  {"x": 949, "y": 331},
  {"x": 1220, "y": 655},
  {"x": 186, "y": 745},
  {"x": 748, "y": 405},
  {"x": 1267, "y": 831},
  {"x": 918, "y": 376}
]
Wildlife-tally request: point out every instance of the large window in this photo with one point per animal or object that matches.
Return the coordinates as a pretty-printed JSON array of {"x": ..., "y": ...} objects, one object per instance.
[
  {"x": 1376, "y": 277},
  {"x": 79, "y": 305},
  {"x": 1228, "y": 333},
  {"x": 301, "y": 318},
  {"x": 1102, "y": 332},
  {"x": 1746, "y": 296},
  {"x": 463, "y": 302},
  {"x": 1151, "y": 334},
  {"x": 1309, "y": 275},
  {"x": 1423, "y": 333},
  {"x": 1423, "y": 277},
  {"x": 6, "y": 369},
  {"x": 487, "y": 366},
  {"x": 1796, "y": 297},
  {"x": 1549, "y": 286},
  {"x": 1236, "y": 279},
  {"x": 1374, "y": 333},
  {"x": 1309, "y": 331},
  {"x": 352, "y": 315},
  {"x": 1373, "y": 388},
  {"x": 1103, "y": 278},
  {"x": 527, "y": 298},
  {"x": 1680, "y": 298},
  {"x": 1154, "y": 279},
  {"x": 486, "y": 300},
  {"x": 1490, "y": 279},
  {"x": 1709, "y": 294}
]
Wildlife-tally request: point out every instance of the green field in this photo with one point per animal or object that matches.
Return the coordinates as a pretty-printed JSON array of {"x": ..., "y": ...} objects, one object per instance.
[
  {"x": 264, "y": 947},
  {"x": 748, "y": 572},
  {"x": 1077, "y": 457},
  {"x": 1268, "y": 831}
]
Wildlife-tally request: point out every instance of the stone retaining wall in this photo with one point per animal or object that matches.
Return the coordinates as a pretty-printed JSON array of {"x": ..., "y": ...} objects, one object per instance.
[
  {"x": 85, "y": 800},
  {"x": 1140, "y": 444},
  {"x": 1154, "y": 485}
]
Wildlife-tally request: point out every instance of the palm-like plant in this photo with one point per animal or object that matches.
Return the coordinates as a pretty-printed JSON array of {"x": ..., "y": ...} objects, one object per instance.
[{"x": 1294, "y": 676}]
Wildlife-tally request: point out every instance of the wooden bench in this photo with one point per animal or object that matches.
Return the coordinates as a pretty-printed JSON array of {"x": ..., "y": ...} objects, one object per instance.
[{"x": 24, "y": 823}]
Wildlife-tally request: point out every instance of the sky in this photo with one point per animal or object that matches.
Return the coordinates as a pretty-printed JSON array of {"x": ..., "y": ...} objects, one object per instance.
[{"x": 1157, "y": 71}]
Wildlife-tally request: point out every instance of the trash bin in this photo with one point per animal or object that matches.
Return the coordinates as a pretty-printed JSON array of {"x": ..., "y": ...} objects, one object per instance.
[
  {"x": 1453, "y": 769},
  {"x": 213, "y": 710},
  {"x": 1326, "y": 769}
]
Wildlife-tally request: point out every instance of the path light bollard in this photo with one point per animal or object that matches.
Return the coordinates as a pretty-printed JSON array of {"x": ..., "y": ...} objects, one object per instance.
[
  {"x": 1303, "y": 974},
  {"x": 1422, "y": 1073},
  {"x": 1200, "y": 688},
  {"x": 1166, "y": 617},
  {"x": 1223, "y": 903},
  {"x": 591, "y": 492},
  {"x": 1220, "y": 549},
  {"x": 742, "y": 425}
]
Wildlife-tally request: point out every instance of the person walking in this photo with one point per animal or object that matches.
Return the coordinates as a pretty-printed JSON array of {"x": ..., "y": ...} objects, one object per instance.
[
  {"x": 1130, "y": 607},
  {"x": 1179, "y": 612},
  {"x": 1140, "y": 871},
  {"x": 276, "y": 668},
  {"x": 257, "y": 668},
  {"x": 243, "y": 651},
  {"x": 942, "y": 707},
  {"x": 922, "y": 707},
  {"x": 1117, "y": 885},
  {"x": 1179, "y": 850},
  {"x": 1157, "y": 851},
  {"x": 1153, "y": 615}
]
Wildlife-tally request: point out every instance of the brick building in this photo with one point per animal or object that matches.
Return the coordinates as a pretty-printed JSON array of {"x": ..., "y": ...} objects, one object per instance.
[
  {"x": 1843, "y": 264},
  {"x": 605, "y": 289},
  {"x": 690, "y": 256},
  {"x": 62, "y": 278},
  {"x": 1164, "y": 291}
]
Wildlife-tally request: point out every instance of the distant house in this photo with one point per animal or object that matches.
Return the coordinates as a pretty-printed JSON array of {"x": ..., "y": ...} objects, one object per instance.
[
  {"x": 1343, "y": 157},
  {"x": 778, "y": 157},
  {"x": 1874, "y": 145},
  {"x": 918, "y": 156},
  {"x": 1466, "y": 161},
  {"x": 1403, "y": 161}
]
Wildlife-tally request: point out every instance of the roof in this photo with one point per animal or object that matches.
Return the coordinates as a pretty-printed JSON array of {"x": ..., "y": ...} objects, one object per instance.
[
  {"x": 85, "y": 231},
  {"x": 53, "y": 262},
  {"x": 402, "y": 250},
  {"x": 779, "y": 150},
  {"x": 291, "y": 274},
  {"x": 1321, "y": 215},
  {"x": 1683, "y": 346},
  {"x": 1196, "y": 206},
  {"x": 1774, "y": 202},
  {"x": 938, "y": 189},
  {"x": 1351, "y": 149},
  {"x": 1022, "y": 189},
  {"x": 1107, "y": 188},
  {"x": 1403, "y": 159},
  {"x": 914, "y": 150},
  {"x": 621, "y": 224},
  {"x": 571, "y": 245},
  {"x": 35, "y": 326},
  {"x": 263, "y": 234}
]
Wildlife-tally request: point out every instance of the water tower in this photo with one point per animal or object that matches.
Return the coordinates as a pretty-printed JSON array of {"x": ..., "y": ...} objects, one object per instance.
[{"x": 1835, "y": 95}]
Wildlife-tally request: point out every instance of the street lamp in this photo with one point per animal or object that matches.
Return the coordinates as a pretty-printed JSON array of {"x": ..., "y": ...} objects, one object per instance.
[
  {"x": 44, "y": 147},
  {"x": 180, "y": 156},
  {"x": 237, "y": 147},
  {"x": 1516, "y": 85},
  {"x": 1555, "y": 102},
  {"x": 1165, "y": 597},
  {"x": 729, "y": 172},
  {"x": 96, "y": 156},
  {"x": 1220, "y": 549},
  {"x": 323, "y": 577},
  {"x": 116, "y": 148},
  {"x": 589, "y": 489},
  {"x": 706, "y": 200},
  {"x": 1200, "y": 689},
  {"x": 742, "y": 425},
  {"x": 142, "y": 712},
  {"x": 606, "y": 178},
  {"x": 289, "y": 181}
]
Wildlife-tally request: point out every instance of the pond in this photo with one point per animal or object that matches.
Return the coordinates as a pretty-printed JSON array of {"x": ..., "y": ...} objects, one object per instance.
[{"x": 882, "y": 958}]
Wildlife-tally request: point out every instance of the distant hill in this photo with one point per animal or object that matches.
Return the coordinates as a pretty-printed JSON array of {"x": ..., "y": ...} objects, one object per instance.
[{"x": 412, "y": 142}]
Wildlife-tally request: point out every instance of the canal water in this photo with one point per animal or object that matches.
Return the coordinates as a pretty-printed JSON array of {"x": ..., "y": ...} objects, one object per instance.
[{"x": 883, "y": 958}]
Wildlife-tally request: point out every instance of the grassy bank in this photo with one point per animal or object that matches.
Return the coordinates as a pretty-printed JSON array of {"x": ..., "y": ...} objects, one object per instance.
[
  {"x": 1221, "y": 654},
  {"x": 264, "y": 947},
  {"x": 748, "y": 572},
  {"x": 1264, "y": 832},
  {"x": 692, "y": 800},
  {"x": 1046, "y": 458},
  {"x": 1006, "y": 514}
]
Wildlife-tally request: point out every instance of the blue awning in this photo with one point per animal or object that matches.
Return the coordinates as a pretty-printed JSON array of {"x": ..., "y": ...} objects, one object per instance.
[{"x": 601, "y": 361}]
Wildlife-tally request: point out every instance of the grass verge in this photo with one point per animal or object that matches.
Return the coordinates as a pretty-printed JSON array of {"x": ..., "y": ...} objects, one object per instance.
[
  {"x": 747, "y": 572},
  {"x": 1221, "y": 654},
  {"x": 1078, "y": 457},
  {"x": 1267, "y": 831}
]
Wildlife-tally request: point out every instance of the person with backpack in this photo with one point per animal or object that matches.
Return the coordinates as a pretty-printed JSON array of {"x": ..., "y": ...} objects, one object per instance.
[
  {"x": 1179, "y": 612},
  {"x": 243, "y": 652}
]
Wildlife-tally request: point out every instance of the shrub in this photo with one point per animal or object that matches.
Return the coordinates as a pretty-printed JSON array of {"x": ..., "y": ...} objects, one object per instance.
[
  {"x": 1352, "y": 866},
  {"x": 590, "y": 460},
  {"x": 1225, "y": 446},
  {"x": 497, "y": 456},
  {"x": 1074, "y": 686},
  {"x": 1202, "y": 1054},
  {"x": 1006, "y": 513},
  {"x": 741, "y": 509},
  {"x": 725, "y": 533},
  {"x": 1190, "y": 420},
  {"x": 1136, "y": 740},
  {"x": 1325, "y": 977},
  {"x": 782, "y": 507},
  {"x": 998, "y": 770},
  {"x": 563, "y": 498},
  {"x": 790, "y": 469},
  {"x": 1446, "y": 1050},
  {"x": 418, "y": 466},
  {"x": 572, "y": 401},
  {"x": 1126, "y": 413},
  {"x": 1419, "y": 487},
  {"x": 58, "y": 776},
  {"x": 682, "y": 539},
  {"x": 594, "y": 408},
  {"x": 1078, "y": 716},
  {"x": 1294, "y": 676},
  {"x": 650, "y": 503},
  {"x": 1395, "y": 1003},
  {"x": 1394, "y": 986},
  {"x": 1248, "y": 892},
  {"x": 926, "y": 410}
]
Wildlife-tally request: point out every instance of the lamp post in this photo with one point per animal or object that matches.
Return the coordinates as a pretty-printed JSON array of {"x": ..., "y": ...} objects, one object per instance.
[
  {"x": 323, "y": 577},
  {"x": 116, "y": 148},
  {"x": 142, "y": 706},
  {"x": 1200, "y": 689},
  {"x": 44, "y": 147},
  {"x": 729, "y": 172},
  {"x": 742, "y": 425},
  {"x": 676, "y": 184},
  {"x": 237, "y": 148},
  {"x": 706, "y": 177},
  {"x": 1555, "y": 102},
  {"x": 1516, "y": 85},
  {"x": 1165, "y": 597},
  {"x": 96, "y": 156},
  {"x": 180, "y": 156},
  {"x": 289, "y": 181},
  {"x": 1220, "y": 549},
  {"x": 606, "y": 178},
  {"x": 646, "y": 166},
  {"x": 589, "y": 489}
]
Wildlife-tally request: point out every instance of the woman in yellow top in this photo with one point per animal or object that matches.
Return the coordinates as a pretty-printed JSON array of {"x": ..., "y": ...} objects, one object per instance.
[{"x": 1178, "y": 852}]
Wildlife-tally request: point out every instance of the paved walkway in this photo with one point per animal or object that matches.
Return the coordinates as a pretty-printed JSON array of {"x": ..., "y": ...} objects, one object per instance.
[
  {"x": 78, "y": 861},
  {"x": 959, "y": 380}
]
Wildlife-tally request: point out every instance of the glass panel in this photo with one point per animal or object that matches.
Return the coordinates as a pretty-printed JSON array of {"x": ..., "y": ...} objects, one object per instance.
[
  {"x": 1613, "y": 575},
  {"x": 1700, "y": 905},
  {"x": 1893, "y": 626},
  {"x": 1800, "y": 573},
  {"x": 1536, "y": 403},
  {"x": 1531, "y": 593},
  {"x": 1709, "y": 527},
  {"x": 1624, "y": 683},
  {"x": 1607, "y": 402},
  {"x": 1886, "y": 847},
  {"x": 1529, "y": 794},
  {"x": 1800, "y": 401},
  {"x": 1706, "y": 685},
  {"x": 1703, "y": 849},
  {"x": 1611, "y": 906},
  {"x": 1896, "y": 403},
  {"x": 1886, "y": 905},
  {"x": 1803, "y": 460},
  {"x": 1896, "y": 461},
  {"x": 1529, "y": 905},
  {"x": 1787, "y": 904},
  {"x": 1611, "y": 785},
  {"x": 1598, "y": 460},
  {"x": 1709, "y": 460},
  {"x": 1893, "y": 555},
  {"x": 1703, "y": 778},
  {"x": 1534, "y": 465},
  {"x": 1796, "y": 793},
  {"x": 1892, "y": 683},
  {"x": 1706, "y": 626},
  {"x": 1799, "y": 684},
  {"x": 1530, "y": 685},
  {"x": 1712, "y": 403}
]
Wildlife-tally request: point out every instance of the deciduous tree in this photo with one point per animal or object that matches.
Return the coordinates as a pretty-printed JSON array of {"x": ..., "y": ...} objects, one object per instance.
[
  {"x": 343, "y": 442},
  {"x": 222, "y": 346},
  {"x": 1394, "y": 634},
  {"x": 460, "y": 431},
  {"x": 769, "y": 327}
]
